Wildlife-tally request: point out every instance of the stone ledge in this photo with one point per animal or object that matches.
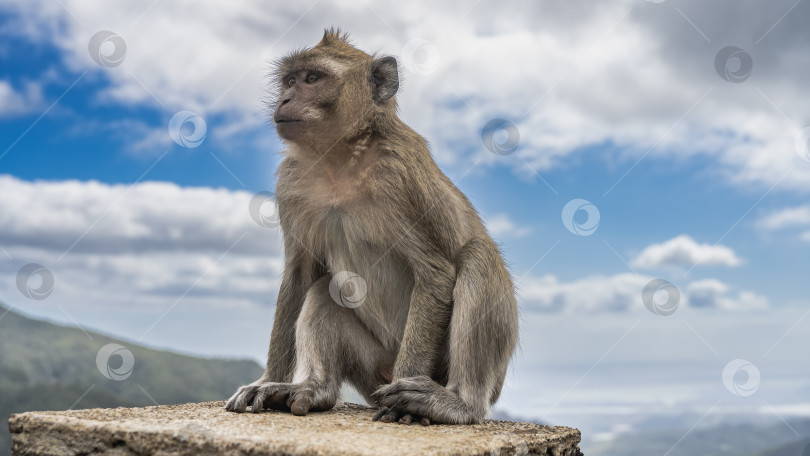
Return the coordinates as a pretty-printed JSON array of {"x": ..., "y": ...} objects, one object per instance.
[{"x": 207, "y": 429}]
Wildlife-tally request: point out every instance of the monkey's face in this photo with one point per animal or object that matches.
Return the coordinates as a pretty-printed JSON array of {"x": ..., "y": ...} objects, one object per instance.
[
  {"x": 330, "y": 92},
  {"x": 307, "y": 96}
]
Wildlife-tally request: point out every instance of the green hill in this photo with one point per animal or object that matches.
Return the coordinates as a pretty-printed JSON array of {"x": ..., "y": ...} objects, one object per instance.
[{"x": 44, "y": 366}]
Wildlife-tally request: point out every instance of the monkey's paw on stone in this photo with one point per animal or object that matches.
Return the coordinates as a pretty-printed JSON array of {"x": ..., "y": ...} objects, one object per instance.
[
  {"x": 387, "y": 415},
  {"x": 294, "y": 397},
  {"x": 412, "y": 399}
]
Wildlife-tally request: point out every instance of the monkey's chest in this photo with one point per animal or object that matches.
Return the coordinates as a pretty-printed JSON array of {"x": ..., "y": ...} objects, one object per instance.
[
  {"x": 367, "y": 275},
  {"x": 361, "y": 242}
]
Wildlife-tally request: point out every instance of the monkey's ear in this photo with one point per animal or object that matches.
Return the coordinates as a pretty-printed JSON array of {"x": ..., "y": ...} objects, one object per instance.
[{"x": 384, "y": 78}]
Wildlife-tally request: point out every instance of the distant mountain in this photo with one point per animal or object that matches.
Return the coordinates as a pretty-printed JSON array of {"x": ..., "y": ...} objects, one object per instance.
[
  {"x": 44, "y": 366},
  {"x": 726, "y": 440}
]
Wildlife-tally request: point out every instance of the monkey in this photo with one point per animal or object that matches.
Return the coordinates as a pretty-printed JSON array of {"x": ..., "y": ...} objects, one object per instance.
[{"x": 391, "y": 282}]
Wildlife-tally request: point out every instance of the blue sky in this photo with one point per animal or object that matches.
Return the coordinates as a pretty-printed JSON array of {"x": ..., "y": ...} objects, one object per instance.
[{"x": 698, "y": 180}]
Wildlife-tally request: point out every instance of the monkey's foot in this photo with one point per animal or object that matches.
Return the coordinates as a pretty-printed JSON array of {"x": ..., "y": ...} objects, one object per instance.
[
  {"x": 297, "y": 398},
  {"x": 420, "y": 398},
  {"x": 404, "y": 401}
]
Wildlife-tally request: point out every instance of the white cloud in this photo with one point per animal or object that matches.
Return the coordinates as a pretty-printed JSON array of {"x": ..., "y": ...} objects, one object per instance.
[
  {"x": 500, "y": 225},
  {"x": 122, "y": 218},
  {"x": 623, "y": 293},
  {"x": 712, "y": 293},
  {"x": 683, "y": 251},
  {"x": 786, "y": 218},
  {"x": 147, "y": 244},
  {"x": 630, "y": 73},
  {"x": 17, "y": 102},
  {"x": 616, "y": 293}
]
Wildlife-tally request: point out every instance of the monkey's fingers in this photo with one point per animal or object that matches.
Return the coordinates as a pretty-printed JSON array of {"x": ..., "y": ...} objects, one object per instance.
[
  {"x": 239, "y": 401},
  {"x": 301, "y": 406},
  {"x": 258, "y": 402},
  {"x": 410, "y": 418},
  {"x": 229, "y": 405},
  {"x": 300, "y": 400},
  {"x": 379, "y": 414},
  {"x": 387, "y": 415},
  {"x": 268, "y": 395},
  {"x": 378, "y": 394},
  {"x": 390, "y": 417},
  {"x": 278, "y": 401}
]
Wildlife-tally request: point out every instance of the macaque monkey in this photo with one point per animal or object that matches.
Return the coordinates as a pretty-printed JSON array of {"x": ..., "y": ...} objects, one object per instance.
[{"x": 391, "y": 282}]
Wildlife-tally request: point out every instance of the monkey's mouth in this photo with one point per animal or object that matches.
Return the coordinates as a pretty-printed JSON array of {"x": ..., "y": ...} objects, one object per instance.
[{"x": 279, "y": 121}]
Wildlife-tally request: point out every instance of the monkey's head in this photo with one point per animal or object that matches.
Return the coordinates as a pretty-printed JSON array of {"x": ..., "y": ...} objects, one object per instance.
[{"x": 333, "y": 91}]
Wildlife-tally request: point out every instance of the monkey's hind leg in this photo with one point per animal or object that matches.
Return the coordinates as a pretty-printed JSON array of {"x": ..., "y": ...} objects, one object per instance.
[
  {"x": 325, "y": 334},
  {"x": 482, "y": 336}
]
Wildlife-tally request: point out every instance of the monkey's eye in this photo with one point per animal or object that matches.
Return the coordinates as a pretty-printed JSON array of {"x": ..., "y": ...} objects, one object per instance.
[
  {"x": 312, "y": 77},
  {"x": 290, "y": 82}
]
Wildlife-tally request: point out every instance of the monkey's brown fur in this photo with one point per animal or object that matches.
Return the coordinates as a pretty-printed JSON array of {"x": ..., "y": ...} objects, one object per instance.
[{"x": 359, "y": 191}]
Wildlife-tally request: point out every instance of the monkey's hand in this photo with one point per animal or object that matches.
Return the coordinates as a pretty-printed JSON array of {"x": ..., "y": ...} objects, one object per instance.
[
  {"x": 297, "y": 398},
  {"x": 407, "y": 400}
]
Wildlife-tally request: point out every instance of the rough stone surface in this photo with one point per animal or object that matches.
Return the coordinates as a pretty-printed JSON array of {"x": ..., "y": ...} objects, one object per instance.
[{"x": 207, "y": 429}]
